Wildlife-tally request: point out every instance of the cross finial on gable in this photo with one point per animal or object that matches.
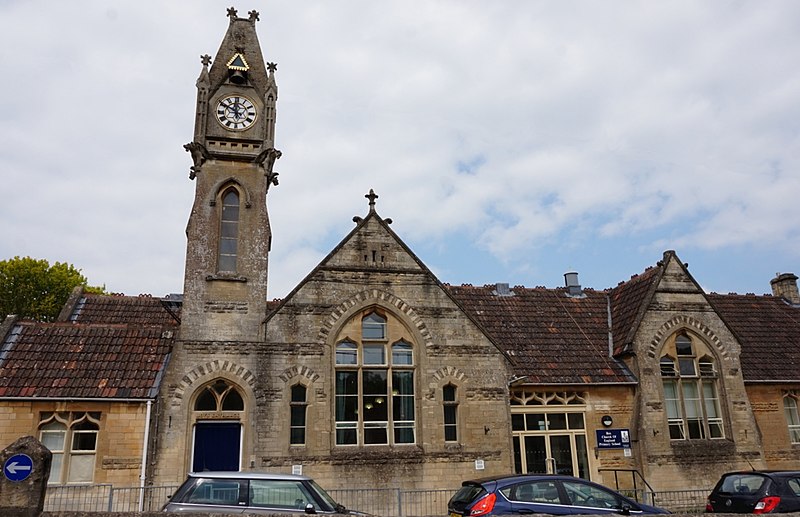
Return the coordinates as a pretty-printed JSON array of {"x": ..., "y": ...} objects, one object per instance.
[
  {"x": 253, "y": 15},
  {"x": 205, "y": 59},
  {"x": 232, "y": 12},
  {"x": 372, "y": 196}
]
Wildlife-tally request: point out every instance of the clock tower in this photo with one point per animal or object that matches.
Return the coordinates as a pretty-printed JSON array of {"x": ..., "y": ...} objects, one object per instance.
[{"x": 233, "y": 153}]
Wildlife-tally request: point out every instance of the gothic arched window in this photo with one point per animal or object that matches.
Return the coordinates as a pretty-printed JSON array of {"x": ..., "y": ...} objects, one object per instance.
[
  {"x": 375, "y": 394},
  {"x": 450, "y": 403},
  {"x": 691, "y": 398},
  {"x": 229, "y": 231},
  {"x": 72, "y": 438},
  {"x": 219, "y": 396},
  {"x": 297, "y": 419}
]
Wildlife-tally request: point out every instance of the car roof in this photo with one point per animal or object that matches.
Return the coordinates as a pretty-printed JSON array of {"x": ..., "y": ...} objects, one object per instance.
[
  {"x": 248, "y": 474},
  {"x": 777, "y": 473},
  {"x": 515, "y": 477}
]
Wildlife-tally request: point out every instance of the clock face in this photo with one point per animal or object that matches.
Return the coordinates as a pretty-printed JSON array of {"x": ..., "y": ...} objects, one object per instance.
[{"x": 236, "y": 112}]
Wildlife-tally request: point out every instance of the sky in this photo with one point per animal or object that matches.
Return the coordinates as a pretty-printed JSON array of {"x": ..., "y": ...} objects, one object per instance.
[{"x": 509, "y": 141}]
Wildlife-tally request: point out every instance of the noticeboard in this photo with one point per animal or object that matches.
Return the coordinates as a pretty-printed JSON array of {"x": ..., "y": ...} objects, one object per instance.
[{"x": 613, "y": 439}]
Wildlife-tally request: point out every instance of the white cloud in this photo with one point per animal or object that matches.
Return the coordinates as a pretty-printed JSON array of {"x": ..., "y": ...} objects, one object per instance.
[{"x": 515, "y": 124}]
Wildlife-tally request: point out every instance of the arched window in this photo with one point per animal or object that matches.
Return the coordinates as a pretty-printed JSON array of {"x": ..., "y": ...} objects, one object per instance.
[
  {"x": 219, "y": 396},
  {"x": 373, "y": 326},
  {"x": 450, "y": 403},
  {"x": 229, "y": 231},
  {"x": 297, "y": 420},
  {"x": 792, "y": 417},
  {"x": 72, "y": 438},
  {"x": 690, "y": 390},
  {"x": 375, "y": 393}
]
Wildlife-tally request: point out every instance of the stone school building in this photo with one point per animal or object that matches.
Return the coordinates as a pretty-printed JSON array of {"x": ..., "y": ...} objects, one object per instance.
[{"x": 372, "y": 373}]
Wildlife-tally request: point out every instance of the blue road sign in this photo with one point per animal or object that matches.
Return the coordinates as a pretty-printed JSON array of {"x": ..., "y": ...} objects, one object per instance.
[{"x": 18, "y": 467}]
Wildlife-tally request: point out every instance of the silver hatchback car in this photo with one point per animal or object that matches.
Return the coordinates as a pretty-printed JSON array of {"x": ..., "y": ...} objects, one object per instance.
[{"x": 252, "y": 492}]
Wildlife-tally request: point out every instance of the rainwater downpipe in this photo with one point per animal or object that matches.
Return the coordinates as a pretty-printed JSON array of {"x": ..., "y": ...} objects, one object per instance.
[{"x": 144, "y": 456}]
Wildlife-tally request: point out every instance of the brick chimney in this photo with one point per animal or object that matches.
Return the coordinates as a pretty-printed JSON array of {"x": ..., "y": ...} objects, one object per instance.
[{"x": 785, "y": 286}]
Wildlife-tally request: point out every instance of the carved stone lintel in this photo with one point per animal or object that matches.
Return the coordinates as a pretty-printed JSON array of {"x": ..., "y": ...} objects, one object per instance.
[{"x": 199, "y": 156}]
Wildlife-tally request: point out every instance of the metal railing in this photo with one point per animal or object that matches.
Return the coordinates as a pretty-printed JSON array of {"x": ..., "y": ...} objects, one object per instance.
[
  {"x": 376, "y": 501},
  {"x": 682, "y": 501},
  {"x": 394, "y": 501},
  {"x": 106, "y": 498}
]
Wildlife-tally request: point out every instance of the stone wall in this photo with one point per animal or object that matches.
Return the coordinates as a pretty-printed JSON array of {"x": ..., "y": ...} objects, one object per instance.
[{"x": 119, "y": 443}]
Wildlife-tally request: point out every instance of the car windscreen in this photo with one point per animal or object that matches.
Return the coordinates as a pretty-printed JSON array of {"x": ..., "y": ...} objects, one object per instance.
[
  {"x": 743, "y": 484},
  {"x": 466, "y": 494},
  {"x": 287, "y": 494},
  {"x": 326, "y": 498}
]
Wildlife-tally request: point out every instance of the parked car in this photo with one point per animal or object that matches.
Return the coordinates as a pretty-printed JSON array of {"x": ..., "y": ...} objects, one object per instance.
[
  {"x": 252, "y": 492},
  {"x": 541, "y": 493},
  {"x": 756, "y": 492}
]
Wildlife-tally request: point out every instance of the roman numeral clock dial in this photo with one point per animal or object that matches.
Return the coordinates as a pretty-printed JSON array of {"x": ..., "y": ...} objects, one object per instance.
[{"x": 236, "y": 112}]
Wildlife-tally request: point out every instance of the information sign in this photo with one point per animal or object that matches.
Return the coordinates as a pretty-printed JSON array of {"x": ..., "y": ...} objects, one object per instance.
[{"x": 613, "y": 439}]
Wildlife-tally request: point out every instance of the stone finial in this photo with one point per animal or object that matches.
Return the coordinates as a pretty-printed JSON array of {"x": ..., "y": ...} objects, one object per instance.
[
  {"x": 372, "y": 196},
  {"x": 232, "y": 13},
  {"x": 205, "y": 59},
  {"x": 253, "y": 15},
  {"x": 272, "y": 67}
]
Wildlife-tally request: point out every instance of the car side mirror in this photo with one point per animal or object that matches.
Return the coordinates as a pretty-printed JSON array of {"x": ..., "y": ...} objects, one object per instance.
[
  {"x": 310, "y": 508},
  {"x": 625, "y": 510}
]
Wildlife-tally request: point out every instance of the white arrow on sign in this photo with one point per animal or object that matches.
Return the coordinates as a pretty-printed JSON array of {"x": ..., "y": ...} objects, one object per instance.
[{"x": 14, "y": 467}]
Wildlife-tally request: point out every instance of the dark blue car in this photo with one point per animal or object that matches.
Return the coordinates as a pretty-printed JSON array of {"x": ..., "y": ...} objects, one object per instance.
[{"x": 541, "y": 493}]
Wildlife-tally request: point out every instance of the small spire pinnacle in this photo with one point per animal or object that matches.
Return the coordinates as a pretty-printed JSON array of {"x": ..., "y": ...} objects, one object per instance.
[
  {"x": 372, "y": 196},
  {"x": 272, "y": 67}
]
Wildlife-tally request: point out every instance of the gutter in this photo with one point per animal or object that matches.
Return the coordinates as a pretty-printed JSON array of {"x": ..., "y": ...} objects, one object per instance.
[{"x": 74, "y": 399}]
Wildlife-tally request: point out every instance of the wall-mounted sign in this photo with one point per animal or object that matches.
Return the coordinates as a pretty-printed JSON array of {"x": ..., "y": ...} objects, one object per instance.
[{"x": 613, "y": 439}]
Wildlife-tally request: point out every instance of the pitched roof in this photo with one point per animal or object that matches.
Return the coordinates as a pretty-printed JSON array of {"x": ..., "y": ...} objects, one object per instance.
[
  {"x": 131, "y": 310},
  {"x": 628, "y": 305},
  {"x": 769, "y": 331},
  {"x": 552, "y": 338},
  {"x": 68, "y": 360}
]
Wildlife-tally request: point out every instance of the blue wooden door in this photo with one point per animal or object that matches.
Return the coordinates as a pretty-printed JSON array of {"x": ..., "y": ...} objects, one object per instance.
[{"x": 217, "y": 446}]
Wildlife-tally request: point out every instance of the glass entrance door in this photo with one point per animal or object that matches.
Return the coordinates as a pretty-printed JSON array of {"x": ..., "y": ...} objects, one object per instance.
[{"x": 546, "y": 444}]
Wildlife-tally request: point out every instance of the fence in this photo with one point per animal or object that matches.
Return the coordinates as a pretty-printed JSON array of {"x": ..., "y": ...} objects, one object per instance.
[
  {"x": 377, "y": 501},
  {"x": 681, "y": 501},
  {"x": 106, "y": 498},
  {"x": 395, "y": 502}
]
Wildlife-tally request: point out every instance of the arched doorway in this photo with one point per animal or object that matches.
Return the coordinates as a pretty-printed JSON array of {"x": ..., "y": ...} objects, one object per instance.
[{"x": 217, "y": 432}]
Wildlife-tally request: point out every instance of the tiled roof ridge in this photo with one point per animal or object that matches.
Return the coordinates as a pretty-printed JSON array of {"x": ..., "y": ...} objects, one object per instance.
[
  {"x": 123, "y": 295},
  {"x": 75, "y": 324},
  {"x": 764, "y": 295},
  {"x": 522, "y": 287}
]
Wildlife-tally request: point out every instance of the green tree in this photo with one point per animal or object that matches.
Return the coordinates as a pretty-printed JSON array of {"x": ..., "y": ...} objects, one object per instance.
[{"x": 32, "y": 288}]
